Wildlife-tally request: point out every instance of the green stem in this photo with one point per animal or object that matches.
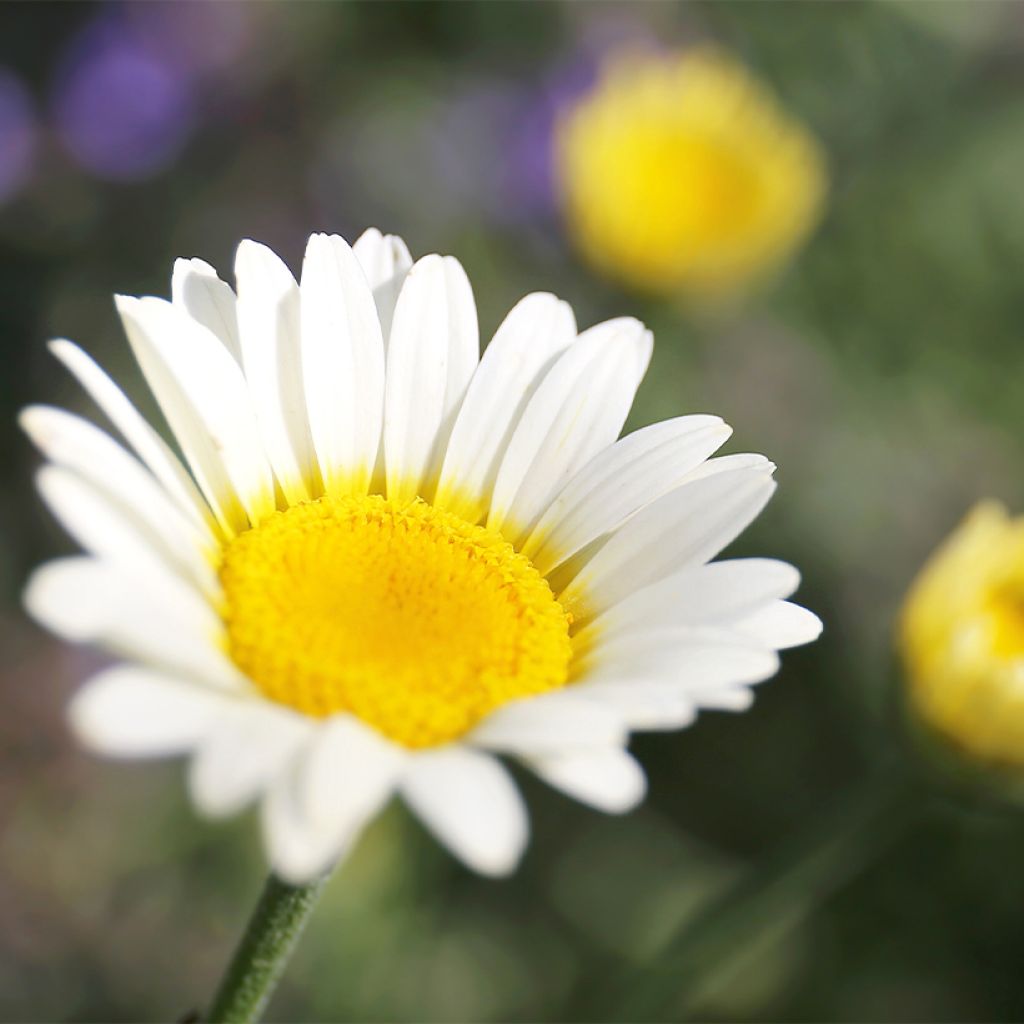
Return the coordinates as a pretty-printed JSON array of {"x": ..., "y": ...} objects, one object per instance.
[
  {"x": 774, "y": 898},
  {"x": 261, "y": 956}
]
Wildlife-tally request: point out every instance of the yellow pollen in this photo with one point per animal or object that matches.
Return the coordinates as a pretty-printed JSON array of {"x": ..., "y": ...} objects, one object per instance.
[{"x": 406, "y": 616}]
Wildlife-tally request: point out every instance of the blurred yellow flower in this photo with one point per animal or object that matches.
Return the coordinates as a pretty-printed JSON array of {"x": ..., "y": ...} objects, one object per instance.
[
  {"x": 681, "y": 173},
  {"x": 962, "y": 637}
]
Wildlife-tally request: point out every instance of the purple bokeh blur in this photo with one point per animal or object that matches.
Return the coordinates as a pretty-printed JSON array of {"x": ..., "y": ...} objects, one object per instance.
[
  {"x": 127, "y": 92},
  {"x": 18, "y": 135},
  {"x": 122, "y": 110},
  {"x": 510, "y": 130},
  {"x": 530, "y": 178},
  {"x": 201, "y": 37}
]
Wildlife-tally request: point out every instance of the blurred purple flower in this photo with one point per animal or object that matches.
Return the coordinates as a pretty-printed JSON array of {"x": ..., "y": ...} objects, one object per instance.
[
  {"x": 530, "y": 176},
  {"x": 122, "y": 109},
  {"x": 493, "y": 144},
  {"x": 18, "y": 135}
]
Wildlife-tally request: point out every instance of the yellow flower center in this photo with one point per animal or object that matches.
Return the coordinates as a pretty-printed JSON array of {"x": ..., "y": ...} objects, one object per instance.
[{"x": 407, "y": 616}]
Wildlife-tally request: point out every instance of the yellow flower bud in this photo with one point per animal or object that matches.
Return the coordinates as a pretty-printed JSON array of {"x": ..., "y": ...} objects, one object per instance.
[
  {"x": 681, "y": 173},
  {"x": 962, "y": 638}
]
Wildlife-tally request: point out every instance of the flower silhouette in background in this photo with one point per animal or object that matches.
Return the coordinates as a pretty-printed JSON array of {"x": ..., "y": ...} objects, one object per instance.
[
  {"x": 680, "y": 173},
  {"x": 391, "y": 559},
  {"x": 962, "y": 638}
]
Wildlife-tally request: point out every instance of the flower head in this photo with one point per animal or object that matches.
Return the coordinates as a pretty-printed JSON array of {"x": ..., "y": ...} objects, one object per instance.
[
  {"x": 385, "y": 560},
  {"x": 962, "y": 638},
  {"x": 680, "y": 173}
]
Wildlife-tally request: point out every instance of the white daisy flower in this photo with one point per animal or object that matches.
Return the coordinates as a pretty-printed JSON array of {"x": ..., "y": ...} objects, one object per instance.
[{"x": 383, "y": 561}]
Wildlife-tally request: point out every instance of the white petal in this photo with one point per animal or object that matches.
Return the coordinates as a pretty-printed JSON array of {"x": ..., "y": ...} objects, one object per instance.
[
  {"x": 470, "y": 803},
  {"x": 205, "y": 399},
  {"x": 433, "y": 351},
  {"x": 687, "y": 661},
  {"x": 196, "y": 288},
  {"x": 738, "y": 699},
  {"x": 385, "y": 260},
  {"x": 780, "y": 624},
  {"x": 150, "y": 617},
  {"x": 685, "y": 527},
  {"x": 343, "y": 364},
  {"x": 128, "y": 711},
  {"x": 537, "y": 329},
  {"x": 268, "y": 325},
  {"x": 553, "y": 722},
  {"x": 609, "y": 780},
  {"x": 618, "y": 481},
  {"x": 316, "y": 809},
  {"x": 99, "y": 524},
  {"x": 729, "y": 463},
  {"x": 663, "y": 684},
  {"x": 716, "y": 593},
  {"x": 251, "y": 746},
  {"x": 78, "y": 445},
  {"x": 577, "y": 410},
  {"x": 642, "y": 707},
  {"x": 351, "y": 771},
  {"x": 653, "y": 707},
  {"x": 146, "y": 442}
]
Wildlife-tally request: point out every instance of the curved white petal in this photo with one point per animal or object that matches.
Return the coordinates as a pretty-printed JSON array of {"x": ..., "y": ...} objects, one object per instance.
[
  {"x": 467, "y": 799},
  {"x": 726, "y": 699},
  {"x": 316, "y": 808},
  {"x": 642, "y": 707},
  {"x": 343, "y": 364},
  {"x": 780, "y": 624},
  {"x": 250, "y": 747},
  {"x": 729, "y": 463},
  {"x": 204, "y": 397},
  {"x": 385, "y": 261},
  {"x": 609, "y": 780},
  {"x": 553, "y": 722},
  {"x": 268, "y": 326},
  {"x": 143, "y": 439},
  {"x": 351, "y": 771},
  {"x": 685, "y": 527},
  {"x": 618, "y": 481},
  {"x": 197, "y": 289},
  {"x": 99, "y": 524},
  {"x": 78, "y": 445},
  {"x": 686, "y": 660},
  {"x": 433, "y": 351},
  {"x": 659, "y": 680},
  {"x": 653, "y": 706},
  {"x": 146, "y": 615},
  {"x": 577, "y": 410},
  {"x": 537, "y": 329},
  {"x": 717, "y": 593},
  {"x": 128, "y": 711}
]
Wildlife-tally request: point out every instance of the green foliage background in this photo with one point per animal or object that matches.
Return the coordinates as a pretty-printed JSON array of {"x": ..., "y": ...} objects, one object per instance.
[{"x": 883, "y": 371}]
